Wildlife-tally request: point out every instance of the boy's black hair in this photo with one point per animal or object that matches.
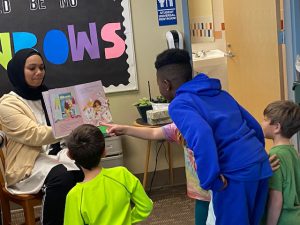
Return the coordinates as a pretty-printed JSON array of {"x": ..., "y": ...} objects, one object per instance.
[
  {"x": 172, "y": 56},
  {"x": 175, "y": 64},
  {"x": 86, "y": 145},
  {"x": 287, "y": 114}
]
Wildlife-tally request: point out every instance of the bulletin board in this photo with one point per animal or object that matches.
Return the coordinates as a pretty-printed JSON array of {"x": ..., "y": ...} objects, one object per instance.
[{"x": 81, "y": 41}]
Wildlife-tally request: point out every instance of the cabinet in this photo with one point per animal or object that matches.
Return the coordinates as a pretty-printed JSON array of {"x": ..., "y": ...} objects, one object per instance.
[{"x": 114, "y": 152}]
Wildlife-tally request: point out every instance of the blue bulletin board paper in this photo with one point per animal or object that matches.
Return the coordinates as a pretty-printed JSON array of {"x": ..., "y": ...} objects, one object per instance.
[{"x": 166, "y": 11}]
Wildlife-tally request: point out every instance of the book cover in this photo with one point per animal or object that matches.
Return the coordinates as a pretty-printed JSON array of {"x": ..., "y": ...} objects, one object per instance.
[{"x": 72, "y": 106}]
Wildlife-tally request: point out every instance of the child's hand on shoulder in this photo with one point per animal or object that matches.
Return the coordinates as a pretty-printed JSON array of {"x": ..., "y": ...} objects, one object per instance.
[
  {"x": 274, "y": 162},
  {"x": 224, "y": 180}
]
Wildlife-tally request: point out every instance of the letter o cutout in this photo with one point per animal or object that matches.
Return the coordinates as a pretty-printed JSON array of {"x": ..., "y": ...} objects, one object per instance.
[{"x": 56, "y": 47}]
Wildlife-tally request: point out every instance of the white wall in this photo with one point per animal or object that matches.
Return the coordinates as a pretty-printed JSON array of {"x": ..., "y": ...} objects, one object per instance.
[
  {"x": 218, "y": 17},
  {"x": 149, "y": 41}
]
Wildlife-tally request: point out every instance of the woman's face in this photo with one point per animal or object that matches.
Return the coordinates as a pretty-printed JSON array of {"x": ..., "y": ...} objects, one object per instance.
[{"x": 34, "y": 71}]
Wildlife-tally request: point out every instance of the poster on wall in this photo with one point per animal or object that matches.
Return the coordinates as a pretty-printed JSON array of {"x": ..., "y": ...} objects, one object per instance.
[
  {"x": 166, "y": 12},
  {"x": 81, "y": 41}
]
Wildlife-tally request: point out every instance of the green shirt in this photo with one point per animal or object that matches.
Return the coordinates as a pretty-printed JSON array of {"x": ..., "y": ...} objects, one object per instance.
[
  {"x": 287, "y": 180},
  {"x": 106, "y": 200}
]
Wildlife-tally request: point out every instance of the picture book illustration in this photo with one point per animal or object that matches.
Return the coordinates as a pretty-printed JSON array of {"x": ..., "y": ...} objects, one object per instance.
[
  {"x": 72, "y": 106},
  {"x": 65, "y": 107}
]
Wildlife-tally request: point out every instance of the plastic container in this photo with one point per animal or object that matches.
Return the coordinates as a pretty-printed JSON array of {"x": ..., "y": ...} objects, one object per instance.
[
  {"x": 160, "y": 106},
  {"x": 112, "y": 161},
  {"x": 113, "y": 145}
]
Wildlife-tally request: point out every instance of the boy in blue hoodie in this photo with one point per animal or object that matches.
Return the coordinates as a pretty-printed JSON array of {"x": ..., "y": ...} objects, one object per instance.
[{"x": 228, "y": 143}]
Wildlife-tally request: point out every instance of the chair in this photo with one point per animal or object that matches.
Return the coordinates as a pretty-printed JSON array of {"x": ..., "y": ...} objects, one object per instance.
[{"x": 27, "y": 201}]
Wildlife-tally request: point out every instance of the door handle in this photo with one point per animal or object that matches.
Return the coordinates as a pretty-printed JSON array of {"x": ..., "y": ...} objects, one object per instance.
[{"x": 229, "y": 54}]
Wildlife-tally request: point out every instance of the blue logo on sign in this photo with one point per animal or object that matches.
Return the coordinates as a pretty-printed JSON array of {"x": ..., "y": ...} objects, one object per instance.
[{"x": 166, "y": 10}]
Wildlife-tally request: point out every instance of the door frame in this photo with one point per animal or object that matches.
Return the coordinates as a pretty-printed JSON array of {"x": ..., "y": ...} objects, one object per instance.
[
  {"x": 186, "y": 27},
  {"x": 292, "y": 41}
]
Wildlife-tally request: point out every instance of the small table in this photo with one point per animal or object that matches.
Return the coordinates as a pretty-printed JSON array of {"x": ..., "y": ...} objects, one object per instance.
[{"x": 140, "y": 123}]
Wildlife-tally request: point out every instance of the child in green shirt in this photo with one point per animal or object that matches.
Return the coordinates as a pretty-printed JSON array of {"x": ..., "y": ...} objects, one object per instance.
[
  {"x": 281, "y": 122},
  {"x": 105, "y": 195}
]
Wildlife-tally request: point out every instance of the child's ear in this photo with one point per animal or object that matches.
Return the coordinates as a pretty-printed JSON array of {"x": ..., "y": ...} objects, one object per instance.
[
  {"x": 277, "y": 129},
  {"x": 167, "y": 84}
]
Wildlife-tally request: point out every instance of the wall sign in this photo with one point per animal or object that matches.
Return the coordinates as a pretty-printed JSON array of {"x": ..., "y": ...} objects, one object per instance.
[
  {"x": 166, "y": 10},
  {"x": 81, "y": 41}
]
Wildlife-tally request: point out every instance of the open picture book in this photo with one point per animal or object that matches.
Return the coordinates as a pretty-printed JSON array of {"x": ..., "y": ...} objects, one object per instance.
[{"x": 72, "y": 106}]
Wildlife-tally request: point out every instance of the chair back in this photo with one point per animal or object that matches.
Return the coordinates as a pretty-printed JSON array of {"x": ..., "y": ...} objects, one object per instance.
[{"x": 27, "y": 201}]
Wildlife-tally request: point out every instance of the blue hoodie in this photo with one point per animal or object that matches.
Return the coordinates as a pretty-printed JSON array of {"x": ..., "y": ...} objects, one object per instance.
[{"x": 225, "y": 138}]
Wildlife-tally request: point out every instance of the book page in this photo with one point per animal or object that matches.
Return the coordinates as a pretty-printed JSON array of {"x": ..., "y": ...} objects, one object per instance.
[
  {"x": 65, "y": 111},
  {"x": 93, "y": 104}
]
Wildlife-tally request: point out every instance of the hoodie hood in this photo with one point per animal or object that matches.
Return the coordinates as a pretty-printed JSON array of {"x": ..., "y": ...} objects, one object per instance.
[{"x": 201, "y": 85}]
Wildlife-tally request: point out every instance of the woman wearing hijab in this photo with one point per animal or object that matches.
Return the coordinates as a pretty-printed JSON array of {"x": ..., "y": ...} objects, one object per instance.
[{"x": 25, "y": 123}]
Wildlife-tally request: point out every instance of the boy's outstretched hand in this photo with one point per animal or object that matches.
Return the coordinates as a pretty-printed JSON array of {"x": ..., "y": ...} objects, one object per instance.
[
  {"x": 114, "y": 129},
  {"x": 275, "y": 162}
]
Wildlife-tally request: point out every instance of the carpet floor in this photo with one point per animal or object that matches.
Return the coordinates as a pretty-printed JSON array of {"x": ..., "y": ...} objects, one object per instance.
[{"x": 171, "y": 206}]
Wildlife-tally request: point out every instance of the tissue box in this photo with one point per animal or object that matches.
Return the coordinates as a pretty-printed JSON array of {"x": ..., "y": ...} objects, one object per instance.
[
  {"x": 160, "y": 106},
  {"x": 157, "y": 117}
]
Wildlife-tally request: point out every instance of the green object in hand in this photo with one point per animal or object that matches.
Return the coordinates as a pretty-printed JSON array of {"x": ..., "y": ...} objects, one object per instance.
[{"x": 103, "y": 129}]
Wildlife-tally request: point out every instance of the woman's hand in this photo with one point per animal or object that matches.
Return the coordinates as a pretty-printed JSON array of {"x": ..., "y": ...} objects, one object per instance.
[{"x": 275, "y": 162}]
